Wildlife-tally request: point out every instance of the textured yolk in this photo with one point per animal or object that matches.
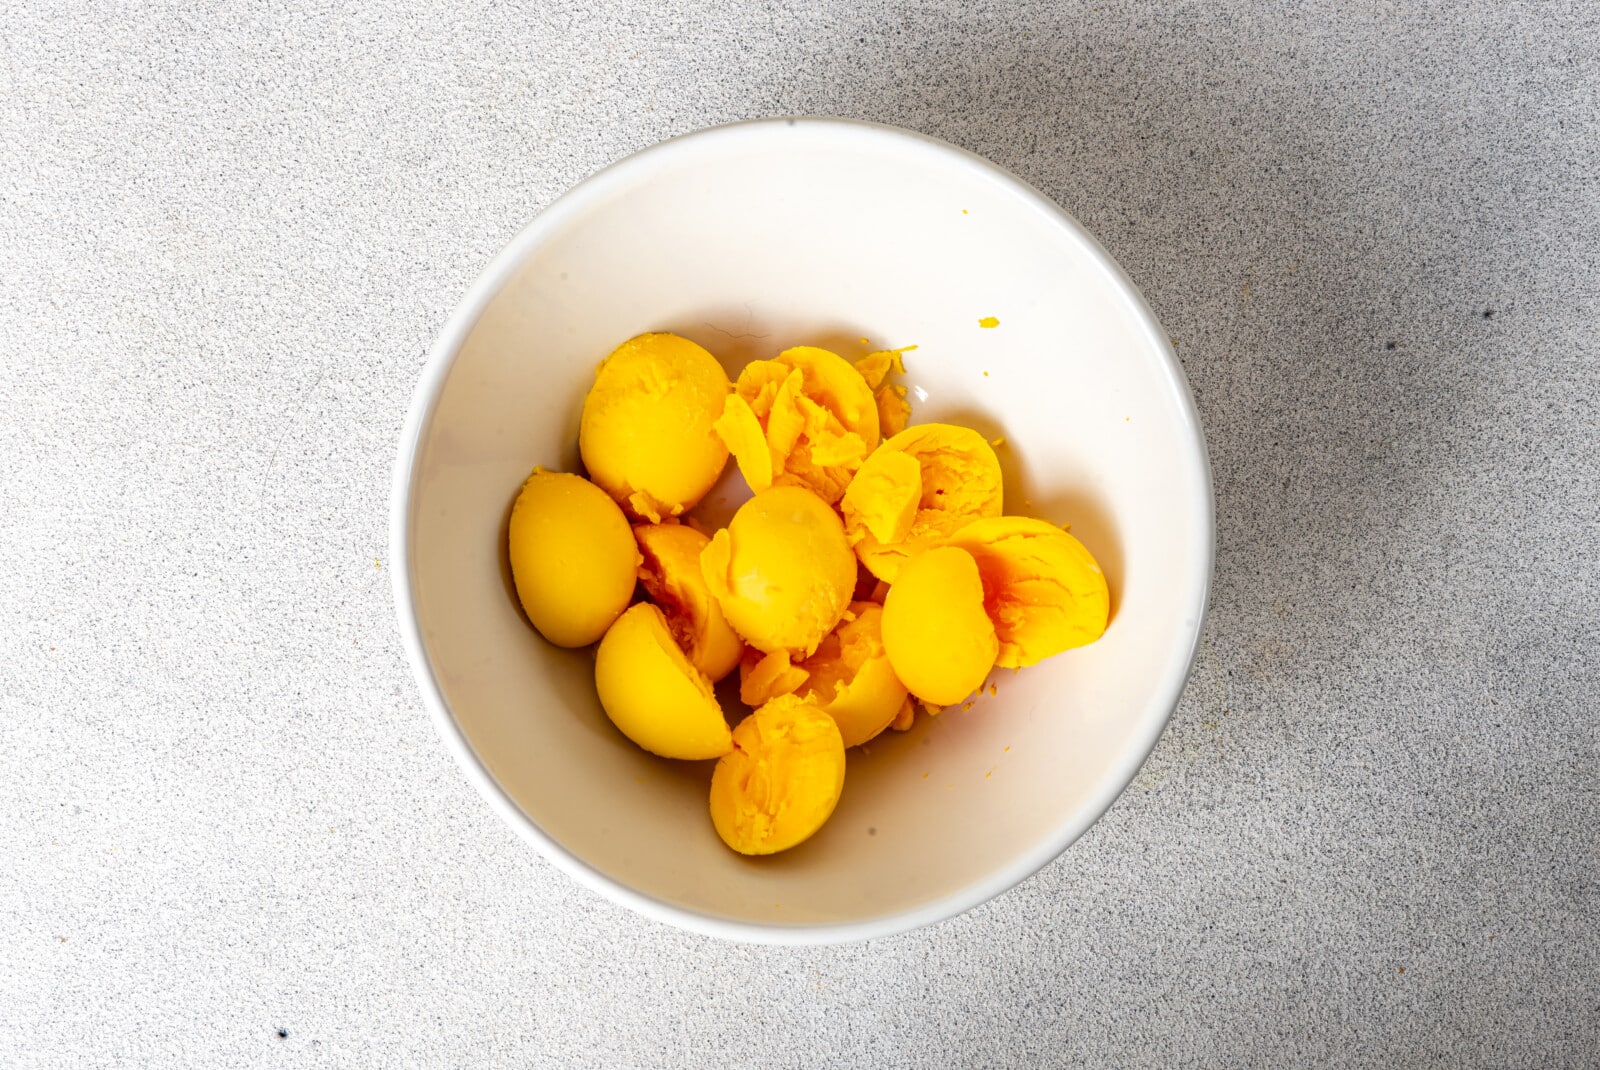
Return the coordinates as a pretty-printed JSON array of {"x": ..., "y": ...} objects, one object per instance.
[
  {"x": 806, "y": 418},
  {"x": 670, "y": 572},
  {"x": 960, "y": 483},
  {"x": 763, "y": 677},
  {"x": 782, "y": 779},
  {"x": 893, "y": 409},
  {"x": 647, "y": 432},
  {"x": 652, "y": 693},
  {"x": 781, "y": 570},
  {"x": 938, "y": 638},
  {"x": 1042, "y": 589},
  {"x": 851, "y": 679},
  {"x": 572, "y": 557},
  {"x": 884, "y": 497}
]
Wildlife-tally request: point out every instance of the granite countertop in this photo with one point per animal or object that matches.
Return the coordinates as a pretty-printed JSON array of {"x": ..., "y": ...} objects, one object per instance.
[{"x": 230, "y": 838}]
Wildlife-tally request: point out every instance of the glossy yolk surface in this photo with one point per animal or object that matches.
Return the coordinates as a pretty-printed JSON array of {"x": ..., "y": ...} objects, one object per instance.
[
  {"x": 806, "y": 418},
  {"x": 647, "y": 434},
  {"x": 958, "y": 481},
  {"x": 651, "y": 692},
  {"x": 1042, "y": 588},
  {"x": 670, "y": 571},
  {"x": 781, "y": 570},
  {"x": 937, "y": 635},
  {"x": 572, "y": 557},
  {"x": 782, "y": 779}
]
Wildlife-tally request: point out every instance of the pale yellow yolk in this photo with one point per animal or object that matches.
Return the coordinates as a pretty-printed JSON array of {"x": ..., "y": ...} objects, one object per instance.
[
  {"x": 959, "y": 483},
  {"x": 647, "y": 434},
  {"x": 806, "y": 418},
  {"x": 651, "y": 692},
  {"x": 1042, "y": 588},
  {"x": 936, "y": 633},
  {"x": 851, "y": 678},
  {"x": 781, "y": 781},
  {"x": 670, "y": 572},
  {"x": 572, "y": 557},
  {"x": 781, "y": 570}
]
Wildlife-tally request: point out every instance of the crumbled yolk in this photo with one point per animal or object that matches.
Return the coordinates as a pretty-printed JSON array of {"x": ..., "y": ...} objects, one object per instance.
[
  {"x": 805, "y": 418},
  {"x": 893, "y": 409},
  {"x": 849, "y": 677},
  {"x": 670, "y": 572},
  {"x": 647, "y": 435},
  {"x": 782, "y": 779},
  {"x": 572, "y": 557},
  {"x": 1042, "y": 588},
  {"x": 958, "y": 481},
  {"x": 653, "y": 694}
]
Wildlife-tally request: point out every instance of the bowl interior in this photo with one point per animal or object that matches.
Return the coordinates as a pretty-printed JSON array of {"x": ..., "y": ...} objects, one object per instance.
[{"x": 748, "y": 240}]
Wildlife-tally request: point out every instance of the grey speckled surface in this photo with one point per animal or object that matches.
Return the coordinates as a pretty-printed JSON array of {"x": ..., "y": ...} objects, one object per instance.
[{"x": 1370, "y": 835}]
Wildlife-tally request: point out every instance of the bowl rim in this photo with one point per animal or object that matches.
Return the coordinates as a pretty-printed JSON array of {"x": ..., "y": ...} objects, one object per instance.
[{"x": 441, "y": 357}]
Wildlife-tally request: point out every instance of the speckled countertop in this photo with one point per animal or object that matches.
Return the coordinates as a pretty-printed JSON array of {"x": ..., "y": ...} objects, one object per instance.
[{"x": 229, "y": 837}]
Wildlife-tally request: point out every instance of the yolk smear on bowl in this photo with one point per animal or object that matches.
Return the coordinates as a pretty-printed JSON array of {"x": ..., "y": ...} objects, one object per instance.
[
  {"x": 781, "y": 570},
  {"x": 670, "y": 571},
  {"x": 648, "y": 434},
  {"x": 782, "y": 779},
  {"x": 1042, "y": 588},
  {"x": 958, "y": 481},
  {"x": 653, "y": 694},
  {"x": 805, "y": 418},
  {"x": 937, "y": 635}
]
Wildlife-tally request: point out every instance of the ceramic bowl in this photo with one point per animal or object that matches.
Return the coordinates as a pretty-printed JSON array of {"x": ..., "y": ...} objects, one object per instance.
[{"x": 748, "y": 239}]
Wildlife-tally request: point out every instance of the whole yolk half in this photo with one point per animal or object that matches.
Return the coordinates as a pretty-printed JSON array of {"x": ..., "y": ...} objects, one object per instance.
[
  {"x": 782, "y": 779},
  {"x": 1042, "y": 588},
  {"x": 939, "y": 640},
  {"x": 670, "y": 572},
  {"x": 893, "y": 409},
  {"x": 781, "y": 570},
  {"x": 806, "y": 418},
  {"x": 651, "y": 692},
  {"x": 572, "y": 557},
  {"x": 849, "y": 677},
  {"x": 647, "y": 434},
  {"x": 957, "y": 481}
]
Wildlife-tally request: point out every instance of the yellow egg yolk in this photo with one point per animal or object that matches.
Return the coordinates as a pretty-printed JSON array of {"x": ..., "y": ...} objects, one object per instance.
[
  {"x": 572, "y": 557},
  {"x": 893, "y": 409},
  {"x": 670, "y": 572},
  {"x": 937, "y": 635},
  {"x": 849, "y": 677},
  {"x": 781, "y": 570},
  {"x": 651, "y": 692},
  {"x": 647, "y": 434},
  {"x": 806, "y": 418},
  {"x": 1042, "y": 588},
  {"x": 958, "y": 482},
  {"x": 781, "y": 781}
]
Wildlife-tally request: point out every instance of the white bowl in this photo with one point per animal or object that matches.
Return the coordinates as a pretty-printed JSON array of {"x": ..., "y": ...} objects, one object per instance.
[{"x": 748, "y": 239}]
